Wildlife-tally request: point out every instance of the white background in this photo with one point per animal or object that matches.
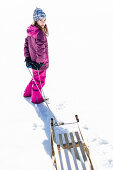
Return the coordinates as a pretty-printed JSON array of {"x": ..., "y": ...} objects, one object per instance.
[{"x": 79, "y": 79}]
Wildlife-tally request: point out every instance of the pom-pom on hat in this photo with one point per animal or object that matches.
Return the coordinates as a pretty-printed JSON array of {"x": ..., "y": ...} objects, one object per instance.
[{"x": 38, "y": 14}]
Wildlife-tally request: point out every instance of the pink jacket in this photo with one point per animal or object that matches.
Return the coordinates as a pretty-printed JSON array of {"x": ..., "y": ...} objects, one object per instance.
[{"x": 36, "y": 46}]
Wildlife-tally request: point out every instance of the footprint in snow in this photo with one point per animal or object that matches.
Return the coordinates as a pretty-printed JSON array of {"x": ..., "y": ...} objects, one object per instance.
[
  {"x": 100, "y": 141},
  {"x": 34, "y": 126},
  {"x": 93, "y": 140},
  {"x": 109, "y": 163},
  {"x": 85, "y": 127},
  {"x": 60, "y": 107}
]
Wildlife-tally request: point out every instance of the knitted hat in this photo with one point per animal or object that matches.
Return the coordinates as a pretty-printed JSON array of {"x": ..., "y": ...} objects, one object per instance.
[{"x": 38, "y": 14}]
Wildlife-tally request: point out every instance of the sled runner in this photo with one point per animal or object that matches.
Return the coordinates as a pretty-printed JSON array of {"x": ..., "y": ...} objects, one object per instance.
[{"x": 69, "y": 151}]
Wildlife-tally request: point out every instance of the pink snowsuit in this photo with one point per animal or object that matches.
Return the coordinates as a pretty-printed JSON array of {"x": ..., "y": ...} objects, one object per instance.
[{"x": 36, "y": 47}]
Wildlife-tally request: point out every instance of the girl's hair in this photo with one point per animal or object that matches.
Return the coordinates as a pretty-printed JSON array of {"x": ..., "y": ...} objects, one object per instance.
[{"x": 45, "y": 29}]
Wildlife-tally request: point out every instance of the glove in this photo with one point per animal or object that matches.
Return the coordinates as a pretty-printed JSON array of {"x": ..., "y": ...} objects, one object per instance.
[
  {"x": 28, "y": 62},
  {"x": 32, "y": 64},
  {"x": 36, "y": 66}
]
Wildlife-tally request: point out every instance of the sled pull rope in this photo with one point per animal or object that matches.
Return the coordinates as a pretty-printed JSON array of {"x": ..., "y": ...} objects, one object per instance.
[
  {"x": 35, "y": 82},
  {"x": 56, "y": 121}
]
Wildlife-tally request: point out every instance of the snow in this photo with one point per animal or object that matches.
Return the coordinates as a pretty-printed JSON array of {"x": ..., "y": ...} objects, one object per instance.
[{"x": 79, "y": 81}]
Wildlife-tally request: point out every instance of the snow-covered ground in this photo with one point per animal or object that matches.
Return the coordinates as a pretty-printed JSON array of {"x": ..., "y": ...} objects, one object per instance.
[{"x": 79, "y": 80}]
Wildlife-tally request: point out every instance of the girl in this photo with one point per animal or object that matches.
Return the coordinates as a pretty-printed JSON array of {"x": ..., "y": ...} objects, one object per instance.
[{"x": 36, "y": 55}]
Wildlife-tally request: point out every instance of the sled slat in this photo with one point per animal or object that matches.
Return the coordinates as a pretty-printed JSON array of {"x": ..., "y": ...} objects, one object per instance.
[
  {"x": 83, "y": 152},
  {"x": 69, "y": 153},
  {"x": 79, "y": 164},
  {"x": 63, "y": 153},
  {"x": 81, "y": 146}
]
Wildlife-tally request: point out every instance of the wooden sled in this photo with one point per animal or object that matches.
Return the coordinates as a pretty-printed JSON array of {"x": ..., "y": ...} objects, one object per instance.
[{"x": 69, "y": 151}]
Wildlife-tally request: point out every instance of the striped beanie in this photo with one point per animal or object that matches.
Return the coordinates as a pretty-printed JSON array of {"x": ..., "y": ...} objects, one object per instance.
[{"x": 38, "y": 14}]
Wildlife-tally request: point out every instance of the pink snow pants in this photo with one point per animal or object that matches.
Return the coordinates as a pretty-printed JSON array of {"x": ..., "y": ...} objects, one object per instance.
[{"x": 32, "y": 90}]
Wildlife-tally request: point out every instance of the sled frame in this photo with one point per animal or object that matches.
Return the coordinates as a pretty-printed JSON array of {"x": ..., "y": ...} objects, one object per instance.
[{"x": 59, "y": 150}]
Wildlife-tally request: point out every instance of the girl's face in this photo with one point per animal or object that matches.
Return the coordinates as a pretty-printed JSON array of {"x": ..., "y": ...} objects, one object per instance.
[{"x": 41, "y": 22}]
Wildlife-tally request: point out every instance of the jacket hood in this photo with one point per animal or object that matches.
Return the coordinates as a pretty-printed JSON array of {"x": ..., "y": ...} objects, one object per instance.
[{"x": 32, "y": 31}]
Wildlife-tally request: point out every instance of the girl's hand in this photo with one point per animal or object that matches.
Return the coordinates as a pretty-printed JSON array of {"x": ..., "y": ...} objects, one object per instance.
[
  {"x": 36, "y": 66},
  {"x": 28, "y": 62}
]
